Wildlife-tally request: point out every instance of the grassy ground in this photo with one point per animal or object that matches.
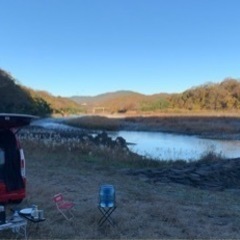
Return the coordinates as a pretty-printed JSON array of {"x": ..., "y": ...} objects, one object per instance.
[{"x": 144, "y": 210}]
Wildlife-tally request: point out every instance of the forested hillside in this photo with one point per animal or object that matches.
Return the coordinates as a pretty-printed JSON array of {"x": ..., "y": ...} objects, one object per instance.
[
  {"x": 214, "y": 97},
  {"x": 16, "y": 98},
  {"x": 220, "y": 96},
  {"x": 224, "y": 96}
]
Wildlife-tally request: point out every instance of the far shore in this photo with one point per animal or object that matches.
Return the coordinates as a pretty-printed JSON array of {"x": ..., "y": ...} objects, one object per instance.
[{"x": 214, "y": 126}]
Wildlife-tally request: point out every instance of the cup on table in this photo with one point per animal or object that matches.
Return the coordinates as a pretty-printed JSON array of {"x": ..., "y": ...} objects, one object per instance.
[
  {"x": 34, "y": 214},
  {"x": 40, "y": 214}
]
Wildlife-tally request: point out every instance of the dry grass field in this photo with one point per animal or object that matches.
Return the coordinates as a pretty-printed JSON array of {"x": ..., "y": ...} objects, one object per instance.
[{"x": 144, "y": 210}]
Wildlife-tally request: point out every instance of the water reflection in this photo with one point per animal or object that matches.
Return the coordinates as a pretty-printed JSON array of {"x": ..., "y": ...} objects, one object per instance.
[{"x": 172, "y": 147}]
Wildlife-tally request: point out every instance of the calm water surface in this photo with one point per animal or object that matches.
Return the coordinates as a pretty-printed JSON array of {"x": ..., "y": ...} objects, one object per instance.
[
  {"x": 172, "y": 147},
  {"x": 166, "y": 146}
]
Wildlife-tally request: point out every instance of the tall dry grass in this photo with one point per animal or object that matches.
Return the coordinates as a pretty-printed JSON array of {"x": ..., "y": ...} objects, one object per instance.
[
  {"x": 209, "y": 125},
  {"x": 144, "y": 210},
  {"x": 96, "y": 122}
]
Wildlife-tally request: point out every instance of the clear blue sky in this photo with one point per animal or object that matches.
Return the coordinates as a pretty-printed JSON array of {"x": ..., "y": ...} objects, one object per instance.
[{"x": 89, "y": 47}]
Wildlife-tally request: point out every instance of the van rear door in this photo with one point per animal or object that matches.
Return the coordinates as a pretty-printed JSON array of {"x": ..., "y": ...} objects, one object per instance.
[
  {"x": 14, "y": 120},
  {"x": 12, "y": 162}
]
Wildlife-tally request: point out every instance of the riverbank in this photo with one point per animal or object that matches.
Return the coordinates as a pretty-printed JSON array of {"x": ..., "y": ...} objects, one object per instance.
[
  {"x": 212, "y": 126},
  {"x": 211, "y": 171}
]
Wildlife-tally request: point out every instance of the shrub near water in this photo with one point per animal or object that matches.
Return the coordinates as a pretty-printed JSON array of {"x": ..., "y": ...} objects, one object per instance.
[{"x": 105, "y": 157}]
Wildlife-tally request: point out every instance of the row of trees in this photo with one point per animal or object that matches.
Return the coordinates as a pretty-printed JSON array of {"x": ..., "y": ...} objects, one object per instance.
[
  {"x": 221, "y": 96},
  {"x": 15, "y": 98},
  {"x": 218, "y": 96}
]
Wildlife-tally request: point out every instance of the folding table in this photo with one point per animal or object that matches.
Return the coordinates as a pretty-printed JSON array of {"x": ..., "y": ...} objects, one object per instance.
[
  {"x": 26, "y": 213},
  {"x": 19, "y": 227}
]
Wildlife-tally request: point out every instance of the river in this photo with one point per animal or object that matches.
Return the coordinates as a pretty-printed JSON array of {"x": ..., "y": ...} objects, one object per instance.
[
  {"x": 166, "y": 146},
  {"x": 173, "y": 146}
]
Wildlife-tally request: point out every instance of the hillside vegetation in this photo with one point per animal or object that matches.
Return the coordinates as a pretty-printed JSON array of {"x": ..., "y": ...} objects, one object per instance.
[
  {"x": 20, "y": 99},
  {"x": 223, "y": 96}
]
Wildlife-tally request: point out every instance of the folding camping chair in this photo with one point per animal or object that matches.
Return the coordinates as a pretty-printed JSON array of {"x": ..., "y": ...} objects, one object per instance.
[
  {"x": 63, "y": 206},
  {"x": 107, "y": 204}
]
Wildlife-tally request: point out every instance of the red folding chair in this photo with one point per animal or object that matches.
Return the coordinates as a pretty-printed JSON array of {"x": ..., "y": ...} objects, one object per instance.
[{"x": 63, "y": 206}]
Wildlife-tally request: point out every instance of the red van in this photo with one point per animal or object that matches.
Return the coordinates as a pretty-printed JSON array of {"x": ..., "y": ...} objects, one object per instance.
[{"x": 12, "y": 161}]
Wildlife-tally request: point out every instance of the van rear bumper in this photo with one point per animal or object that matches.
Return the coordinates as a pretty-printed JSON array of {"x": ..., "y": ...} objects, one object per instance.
[
  {"x": 16, "y": 195},
  {"x": 13, "y": 196}
]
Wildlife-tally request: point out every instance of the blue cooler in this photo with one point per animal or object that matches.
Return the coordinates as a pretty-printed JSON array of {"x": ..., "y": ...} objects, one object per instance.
[{"x": 107, "y": 196}]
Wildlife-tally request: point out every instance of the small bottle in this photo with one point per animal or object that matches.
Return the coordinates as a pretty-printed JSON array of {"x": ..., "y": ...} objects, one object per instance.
[{"x": 34, "y": 212}]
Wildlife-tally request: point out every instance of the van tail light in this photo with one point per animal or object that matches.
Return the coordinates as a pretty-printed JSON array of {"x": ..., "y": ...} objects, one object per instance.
[{"x": 23, "y": 173}]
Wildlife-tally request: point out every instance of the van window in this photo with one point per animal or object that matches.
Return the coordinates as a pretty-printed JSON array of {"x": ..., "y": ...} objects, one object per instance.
[
  {"x": 2, "y": 157},
  {"x": 2, "y": 161}
]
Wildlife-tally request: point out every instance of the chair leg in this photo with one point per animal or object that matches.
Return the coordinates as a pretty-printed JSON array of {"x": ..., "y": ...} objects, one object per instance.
[
  {"x": 106, "y": 216},
  {"x": 64, "y": 213}
]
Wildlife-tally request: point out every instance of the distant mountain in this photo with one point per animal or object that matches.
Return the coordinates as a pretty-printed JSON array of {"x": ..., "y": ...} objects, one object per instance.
[
  {"x": 119, "y": 101},
  {"x": 110, "y": 96}
]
